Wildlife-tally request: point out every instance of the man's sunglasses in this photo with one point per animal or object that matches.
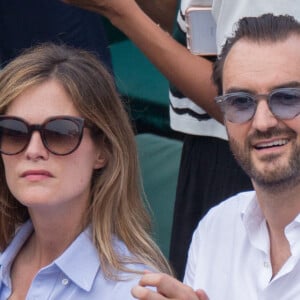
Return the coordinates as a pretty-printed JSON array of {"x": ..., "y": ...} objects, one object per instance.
[
  {"x": 60, "y": 135},
  {"x": 240, "y": 107}
]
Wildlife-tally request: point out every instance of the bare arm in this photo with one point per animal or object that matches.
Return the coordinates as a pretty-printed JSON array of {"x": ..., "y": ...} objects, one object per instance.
[
  {"x": 161, "y": 12},
  {"x": 167, "y": 288},
  {"x": 189, "y": 73}
]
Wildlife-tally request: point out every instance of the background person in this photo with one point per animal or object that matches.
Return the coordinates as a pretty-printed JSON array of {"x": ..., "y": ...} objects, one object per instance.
[
  {"x": 26, "y": 23},
  {"x": 73, "y": 222}
]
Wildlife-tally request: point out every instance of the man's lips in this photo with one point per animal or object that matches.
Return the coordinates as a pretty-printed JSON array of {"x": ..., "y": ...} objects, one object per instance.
[{"x": 270, "y": 144}]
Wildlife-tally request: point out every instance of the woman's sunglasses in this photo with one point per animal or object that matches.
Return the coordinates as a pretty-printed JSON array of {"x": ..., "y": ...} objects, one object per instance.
[
  {"x": 240, "y": 107},
  {"x": 61, "y": 135}
]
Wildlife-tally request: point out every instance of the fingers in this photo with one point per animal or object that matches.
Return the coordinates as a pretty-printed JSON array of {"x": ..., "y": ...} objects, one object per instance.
[
  {"x": 201, "y": 295},
  {"x": 167, "y": 288},
  {"x": 143, "y": 293}
]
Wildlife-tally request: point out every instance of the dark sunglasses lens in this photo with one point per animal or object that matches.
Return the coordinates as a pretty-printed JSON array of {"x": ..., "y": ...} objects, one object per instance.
[
  {"x": 62, "y": 136},
  {"x": 285, "y": 104},
  {"x": 239, "y": 108},
  {"x": 13, "y": 136}
]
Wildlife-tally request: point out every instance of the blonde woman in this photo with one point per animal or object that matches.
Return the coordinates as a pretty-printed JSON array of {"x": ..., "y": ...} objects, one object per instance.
[{"x": 73, "y": 223}]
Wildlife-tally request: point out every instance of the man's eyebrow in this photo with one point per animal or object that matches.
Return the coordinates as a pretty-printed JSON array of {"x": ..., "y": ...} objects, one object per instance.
[
  {"x": 238, "y": 90},
  {"x": 289, "y": 84}
]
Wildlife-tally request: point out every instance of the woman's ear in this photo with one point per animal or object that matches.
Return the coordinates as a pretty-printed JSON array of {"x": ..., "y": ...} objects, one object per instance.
[
  {"x": 100, "y": 161},
  {"x": 103, "y": 153}
]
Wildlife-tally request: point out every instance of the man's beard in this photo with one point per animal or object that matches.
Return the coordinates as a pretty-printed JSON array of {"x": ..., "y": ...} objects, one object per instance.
[{"x": 279, "y": 177}]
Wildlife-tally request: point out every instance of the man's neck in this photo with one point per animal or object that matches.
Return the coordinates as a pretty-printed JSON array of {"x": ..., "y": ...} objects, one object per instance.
[{"x": 279, "y": 207}]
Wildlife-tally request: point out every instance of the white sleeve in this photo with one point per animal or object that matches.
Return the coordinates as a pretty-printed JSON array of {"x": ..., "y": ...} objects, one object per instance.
[{"x": 193, "y": 254}]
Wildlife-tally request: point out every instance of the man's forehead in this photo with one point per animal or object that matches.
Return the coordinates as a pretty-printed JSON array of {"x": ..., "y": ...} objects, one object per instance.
[
  {"x": 250, "y": 61},
  {"x": 245, "y": 45}
]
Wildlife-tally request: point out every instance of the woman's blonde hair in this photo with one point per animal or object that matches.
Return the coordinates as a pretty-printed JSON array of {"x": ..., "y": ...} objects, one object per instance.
[{"x": 116, "y": 205}]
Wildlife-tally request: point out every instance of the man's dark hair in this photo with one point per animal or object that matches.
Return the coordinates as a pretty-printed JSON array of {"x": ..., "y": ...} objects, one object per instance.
[{"x": 265, "y": 28}]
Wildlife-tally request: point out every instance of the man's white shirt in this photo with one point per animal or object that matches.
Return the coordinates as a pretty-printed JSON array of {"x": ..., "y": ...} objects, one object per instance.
[{"x": 229, "y": 254}]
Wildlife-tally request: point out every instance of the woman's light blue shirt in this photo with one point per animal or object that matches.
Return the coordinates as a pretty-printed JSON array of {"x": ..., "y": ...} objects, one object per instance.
[{"x": 76, "y": 274}]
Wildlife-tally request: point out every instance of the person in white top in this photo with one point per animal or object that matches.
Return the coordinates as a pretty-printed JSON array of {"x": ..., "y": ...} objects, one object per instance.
[{"x": 248, "y": 247}]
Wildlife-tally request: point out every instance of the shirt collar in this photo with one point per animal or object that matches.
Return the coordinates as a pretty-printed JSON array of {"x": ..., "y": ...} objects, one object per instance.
[
  {"x": 9, "y": 254},
  {"x": 256, "y": 226},
  {"x": 252, "y": 215},
  {"x": 81, "y": 257}
]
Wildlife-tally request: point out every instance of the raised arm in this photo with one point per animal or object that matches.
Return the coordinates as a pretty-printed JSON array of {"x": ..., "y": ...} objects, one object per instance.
[{"x": 189, "y": 73}]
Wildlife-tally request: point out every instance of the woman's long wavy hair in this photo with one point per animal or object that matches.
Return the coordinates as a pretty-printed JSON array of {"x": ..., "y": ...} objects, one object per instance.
[{"x": 116, "y": 207}]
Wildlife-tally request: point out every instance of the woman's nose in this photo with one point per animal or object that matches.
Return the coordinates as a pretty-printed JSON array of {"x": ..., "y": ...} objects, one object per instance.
[{"x": 35, "y": 148}]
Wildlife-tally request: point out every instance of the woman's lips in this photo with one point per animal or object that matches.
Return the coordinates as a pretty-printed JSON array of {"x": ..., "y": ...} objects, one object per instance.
[{"x": 36, "y": 175}]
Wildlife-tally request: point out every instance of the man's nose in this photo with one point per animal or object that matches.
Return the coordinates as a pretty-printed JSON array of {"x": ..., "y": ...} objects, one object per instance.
[{"x": 263, "y": 118}]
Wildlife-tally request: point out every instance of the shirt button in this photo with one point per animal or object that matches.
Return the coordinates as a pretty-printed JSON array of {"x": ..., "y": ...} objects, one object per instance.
[
  {"x": 65, "y": 281},
  {"x": 266, "y": 264}
]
